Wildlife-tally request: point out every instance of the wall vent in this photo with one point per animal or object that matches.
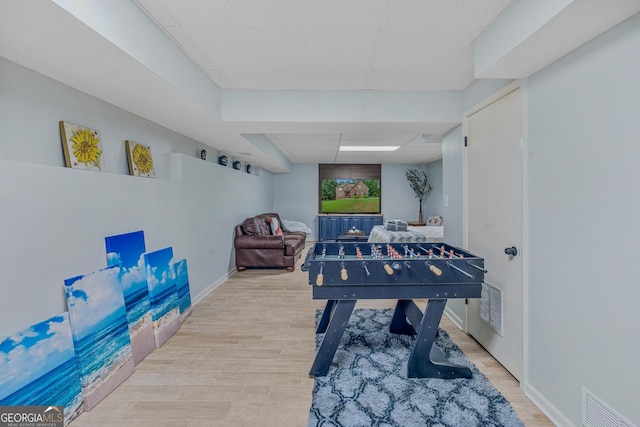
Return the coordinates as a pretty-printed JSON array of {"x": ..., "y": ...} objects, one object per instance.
[
  {"x": 491, "y": 306},
  {"x": 596, "y": 413}
]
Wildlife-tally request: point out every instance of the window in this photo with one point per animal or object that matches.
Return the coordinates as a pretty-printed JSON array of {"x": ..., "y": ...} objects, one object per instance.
[{"x": 349, "y": 189}]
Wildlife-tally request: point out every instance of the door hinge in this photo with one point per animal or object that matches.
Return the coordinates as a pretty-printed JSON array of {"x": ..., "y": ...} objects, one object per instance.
[{"x": 465, "y": 141}]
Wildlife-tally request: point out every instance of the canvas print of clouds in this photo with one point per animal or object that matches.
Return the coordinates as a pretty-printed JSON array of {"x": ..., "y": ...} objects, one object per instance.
[
  {"x": 127, "y": 250},
  {"x": 163, "y": 294},
  {"x": 38, "y": 367},
  {"x": 100, "y": 332},
  {"x": 184, "y": 293}
]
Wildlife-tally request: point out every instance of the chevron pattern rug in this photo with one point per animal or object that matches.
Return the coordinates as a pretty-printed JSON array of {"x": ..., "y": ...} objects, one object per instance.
[{"x": 367, "y": 384}]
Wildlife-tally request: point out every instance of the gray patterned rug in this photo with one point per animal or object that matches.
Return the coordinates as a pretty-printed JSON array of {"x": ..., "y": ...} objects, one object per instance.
[{"x": 367, "y": 384}]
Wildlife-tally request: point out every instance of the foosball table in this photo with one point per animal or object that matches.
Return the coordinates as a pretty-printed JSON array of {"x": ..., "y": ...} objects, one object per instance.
[{"x": 343, "y": 272}]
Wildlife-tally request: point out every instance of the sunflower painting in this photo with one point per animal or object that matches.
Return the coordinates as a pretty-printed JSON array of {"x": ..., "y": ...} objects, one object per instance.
[
  {"x": 82, "y": 147},
  {"x": 140, "y": 160}
]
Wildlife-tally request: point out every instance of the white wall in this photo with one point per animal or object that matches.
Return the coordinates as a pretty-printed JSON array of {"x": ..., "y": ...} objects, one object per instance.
[
  {"x": 54, "y": 220},
  {"x": 581, "y": 283},
  {"x": 452, "y": 151},
  {"x": 452, "y": 147},
  {"x": 583, "y": 288},
  {"x": 295, "y": 196},
  {"x": 398, "y": 199},
  {"x": 433, "y": 204}
]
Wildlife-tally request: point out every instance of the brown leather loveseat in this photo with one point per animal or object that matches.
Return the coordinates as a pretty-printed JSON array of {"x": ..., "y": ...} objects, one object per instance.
[{"x": 258, "y": 244}]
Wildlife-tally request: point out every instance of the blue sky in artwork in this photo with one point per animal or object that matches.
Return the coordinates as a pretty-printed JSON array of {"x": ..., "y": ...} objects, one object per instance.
[
  {"x": 128, "y": 249},
  {"x": 34, "y": 351},
  {"x": 182, "y": 276},
  {"x": 128, "y": 246},
  {"x": 160, "y": 272},
  {"x": 94, "y": 298}
]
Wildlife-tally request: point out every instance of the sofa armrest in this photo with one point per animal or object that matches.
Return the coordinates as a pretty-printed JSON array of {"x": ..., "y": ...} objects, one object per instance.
[
  {"x": 296, "y": 233},
  {"x": 259, "y": 242}
]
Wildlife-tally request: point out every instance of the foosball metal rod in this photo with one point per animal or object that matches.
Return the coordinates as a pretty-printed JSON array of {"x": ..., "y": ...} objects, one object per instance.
[
  {"x": 366, "y": 270},
  {"x": 450, "y": 265},
  {"x": 477, "y": 267},
  {"x": 448, "y": 253},
  {"x": 426, "y": 251}
]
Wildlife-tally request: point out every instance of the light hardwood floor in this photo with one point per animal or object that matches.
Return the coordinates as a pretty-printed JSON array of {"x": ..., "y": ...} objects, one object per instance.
[{"x": 243, "y": 357}]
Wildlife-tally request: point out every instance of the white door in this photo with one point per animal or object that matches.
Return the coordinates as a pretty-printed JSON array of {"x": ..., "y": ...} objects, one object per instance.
[{"x": 494, "y": 223}]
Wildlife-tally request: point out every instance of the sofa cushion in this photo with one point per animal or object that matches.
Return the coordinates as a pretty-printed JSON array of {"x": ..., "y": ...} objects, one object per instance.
[{"x": 256, "y": 226}]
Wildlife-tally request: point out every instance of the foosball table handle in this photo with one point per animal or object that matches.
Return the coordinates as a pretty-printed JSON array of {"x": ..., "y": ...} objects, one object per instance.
[
  {"x": 343, "y": 274},
  {"x": 388, "y": 269},
  {"x": 435, "y": 270},
  {"x": 320, "y": 276}
]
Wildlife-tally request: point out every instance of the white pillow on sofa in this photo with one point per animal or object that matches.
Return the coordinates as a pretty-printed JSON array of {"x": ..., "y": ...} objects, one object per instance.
[
  {"x": 296, "y": 226},
  {"x": 275, "y": 227}
]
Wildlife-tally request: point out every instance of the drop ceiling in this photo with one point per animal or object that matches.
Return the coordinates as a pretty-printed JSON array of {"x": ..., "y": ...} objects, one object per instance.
[{"x": 281, "y": 82}]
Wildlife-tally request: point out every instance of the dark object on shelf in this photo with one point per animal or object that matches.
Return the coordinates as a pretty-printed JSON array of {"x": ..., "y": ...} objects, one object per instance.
[
  {"x": 223, "y": 160},
  {"x": 236, "y": 164},
  {"x": 203, "y": 154},
  {"x": 248, "y": 168}
]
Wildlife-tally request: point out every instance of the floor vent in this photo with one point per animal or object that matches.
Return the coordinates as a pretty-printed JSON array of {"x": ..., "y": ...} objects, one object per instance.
[{"x": 596, "y": 413}]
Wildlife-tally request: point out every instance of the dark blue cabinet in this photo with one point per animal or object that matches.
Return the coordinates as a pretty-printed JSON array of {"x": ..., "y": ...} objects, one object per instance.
[{"x": 331, "y": 226}]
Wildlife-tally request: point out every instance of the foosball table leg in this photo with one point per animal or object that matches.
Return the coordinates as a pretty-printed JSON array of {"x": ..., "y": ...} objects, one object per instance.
[
  {"x": 326, "y": 315},
  {"x": 399, "y": 324},
  {"x": 334, "y": 331},
  {"x": 427, "y": 360}
]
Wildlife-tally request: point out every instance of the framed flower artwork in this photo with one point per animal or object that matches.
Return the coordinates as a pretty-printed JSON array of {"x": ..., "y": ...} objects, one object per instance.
[
  {"x": 82, "y": 147},
  {"x": 139, "y": 159}
]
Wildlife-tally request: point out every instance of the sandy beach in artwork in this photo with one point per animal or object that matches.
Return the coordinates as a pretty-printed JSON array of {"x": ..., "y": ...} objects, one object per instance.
[
  {"x": 166, "y": 326},
  {"x": 142, "y": 338},
  {"x": 112, "y": 379}
]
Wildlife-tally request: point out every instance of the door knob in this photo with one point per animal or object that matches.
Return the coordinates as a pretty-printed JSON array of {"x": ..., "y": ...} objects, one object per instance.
[{"x": 513, "y": 251}]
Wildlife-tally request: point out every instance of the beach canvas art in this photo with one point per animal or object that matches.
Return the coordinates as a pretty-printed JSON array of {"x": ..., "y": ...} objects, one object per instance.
[
  {"x": 38, "y": 367},
  {"x": 184, "y": 292},
  {"x": 163, "y": 294},
  {"x": 82, "y": 147},
  {"x": 100, "y": 332},
  {"x": 127, "y": 250}
]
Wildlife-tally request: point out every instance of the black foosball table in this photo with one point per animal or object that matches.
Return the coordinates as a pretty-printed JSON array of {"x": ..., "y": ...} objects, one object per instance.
[{"x": 344, "y": 272}]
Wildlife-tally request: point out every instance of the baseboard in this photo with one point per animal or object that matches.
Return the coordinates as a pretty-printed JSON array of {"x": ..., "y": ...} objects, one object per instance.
[
  {"x": 454, "y": 318},
  {"x": 550, "y": 411},
  {"x": 206, "y": 291}
]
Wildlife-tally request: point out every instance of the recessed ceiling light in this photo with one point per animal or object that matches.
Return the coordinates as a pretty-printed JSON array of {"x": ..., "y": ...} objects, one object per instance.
[{"x": 369, "y": 147}]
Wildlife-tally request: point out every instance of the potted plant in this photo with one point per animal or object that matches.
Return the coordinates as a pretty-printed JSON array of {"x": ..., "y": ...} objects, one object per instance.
[{"x": 419, "y": 182}]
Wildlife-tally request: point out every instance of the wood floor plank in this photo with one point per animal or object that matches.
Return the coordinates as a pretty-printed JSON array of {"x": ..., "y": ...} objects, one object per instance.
[{"x": 243, "y": 357}]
